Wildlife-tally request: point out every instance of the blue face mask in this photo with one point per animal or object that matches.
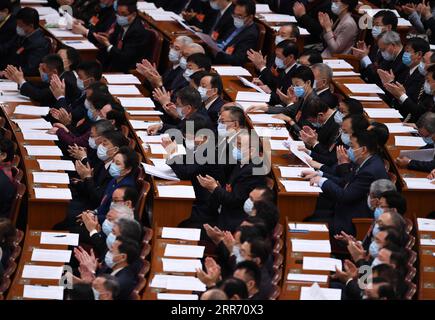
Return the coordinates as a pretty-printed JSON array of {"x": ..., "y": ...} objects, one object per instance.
[
  {"x": 107, "y": 227},
  {"x": 91, "y": 116},
  {"x": 222, "y": 129},
  {"x": 387, "y": 56},
  {"x": 338, "y": 117},
  {"x": 351, "y": 154},
  {"x": 237, "y": 154},
  {"x": 374, "y": 249},
  {"x": 20, "y": 32},
  {"x": 421, "y": 68},
  {"x": 406, "y": 59},
  {"x": 427, "y": 88},
  {"x": 92, "y": 143},
  {"x": 102, "y": 153},
  {"x": 335, "y": 8},
  {"x": 45, "y": 77},
  {"x": 428, "y": 140},
  {"x": 108, "y": 259},
  {"x": 115, "y": 5},
  {"x": 376, "y": 31},
  {"x": 279, "y": 63},
  {"x": 375, "y": 230},
  {"x": 114, "y": 170},
  {"x": 238, "y": 23},
  {"x": 345, "y": 138},
  {"x": 121, "y": 20},
  {"x": 378, "y": 212},
  {"x": 80, "y": 84},
  {"x": 111, "y": 238},
  {"x": 299, "y": 91}
]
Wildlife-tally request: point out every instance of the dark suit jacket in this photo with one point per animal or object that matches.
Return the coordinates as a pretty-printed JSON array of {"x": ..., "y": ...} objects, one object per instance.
[
  {"x": 172, "y": 78},
  {"x": 135, "y": 47},
  {"x": 234, "y": 53},
  {"x": 310, "y": 21},
  {"x": 417, "y": 109},
  {"x": 127, "y": 280},
  {"x": 351, "y": 198},
  {"x": 214, "y": 110},
  {"x": 233, "y": 196},
  {"x": 328, "y": 132},
  {"x": 105, "y": 18},
  {"x": 414, "y": 84},
  {"x": 202, "y": 113},
  {"x": 98, "y": 242},
  {"x": 426, "y": 166},
  {"x": 7, "y": 34},
  {"x": 7, "y": 194},
  {"x": 225, "y": 25},
  {"x": 282, "y": 82},
  {"x": 329, "y": 98},
  {"x": 205, "y": 15}
]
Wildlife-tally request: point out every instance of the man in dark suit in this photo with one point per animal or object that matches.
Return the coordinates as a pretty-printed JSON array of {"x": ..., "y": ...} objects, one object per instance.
[
  {"x": 7, "y": 186},
  {"x": 323, "y": 77},
  {"x": 199, "y": 14},
  {"x": 51, "y": 67},
  {"x": 29, "y": 46},
  {"x": 244, "y": 36},
  {"x": 245, "y": 177},
  {"x": 211, "y": 90},
  {"x": 127, "y": 42},
  {"x": 8, "y": 25},
  {"x": 223, "y": 21},
  {"x": 350, "y": 193}
]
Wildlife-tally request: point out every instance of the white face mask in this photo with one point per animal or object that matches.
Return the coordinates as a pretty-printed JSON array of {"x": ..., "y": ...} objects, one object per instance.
[
  {"x": 203, "y": 92},
  {"x": 222, "y": 129},
  {"x": 183, "y": 63},
  {"x": 174, "y": 55},
  {"x": 279, "y": 63},
  {"x": 187, "y": 74},
  {"x": 427, "y": 88},
  {"x": 248, "y": 206},
  {"x": 278, "y": 39},
  {"x": 238, "y": 23}
]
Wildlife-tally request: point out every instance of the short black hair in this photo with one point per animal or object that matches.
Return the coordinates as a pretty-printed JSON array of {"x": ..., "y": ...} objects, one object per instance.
[
  {"x": 190, "y": 96},
  {"x": 199, "y": 122},
  {"x": 304, "y": 73},
  {"x": 314, "y": 56},
  {"x": 249, "y": 233},
  {"x": 130, "y": 194},
  {"x": 54, "y": 61},
  {"x": 99, "y": 86},
  {"x": 131, "y": 5},
  {"x": 130, "y": 248},
  {"x": 201, "y": 60},
  {"x": 316, "y": 106},
  {"x": 354, "y": 106},
  {"x": 100, "y": 99},
  {"x": 388, "y": 18},
  {"x": 72, "y": 55},
  {"x": 233, "y": 286},
  {"x": 6, "y": 4},
  {"x": 216, "y": 82},
  {"x": 130, "y": 229},
  {"x": 7, "y": 146},
  {"x": 260, "y": 249},
  {"x": 117, "y": 114},
  {"x": 252, "y": 270},
  {"x": 288, "y": 48},
  {"x": 381, "y": 132},
  {"x": 359, "y": 122},
  {"x": 91, "y": 69},
  {"x": 197, "y": 76},
  {"x": 29, "y": 16},
  {"x": 249, "y": 6},
  {"x": 131, "y": 159},
  {"x": 267, "y": 194},
  {"x": 351, "y": 3},
  {"x": 395, "y": 200},
  {"x": 80, "y": 291},
  {"x": 116, "y": 138},
  {"x": 267, "y": 211},
  {"x": 237, "y": 114},
  {"x": 111, "y": 284},
  {"x": 366, "y": 139},
  {"x": 418, "y": 45}
]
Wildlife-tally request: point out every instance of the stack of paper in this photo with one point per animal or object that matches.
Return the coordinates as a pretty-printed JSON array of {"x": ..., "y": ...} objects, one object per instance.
[
  {"x": 384, "y": 113},
  {"x": 43, "y": 151},
  {"x": 184, "y": 251},
  {"x": 364, "y": 88},
  {"x": 43, "y": 292},
  {"x": 53, "y": 193},
  {"x": 136, "y": 102},
  {"x": 33, "y": 124},
  {"x": 272, "y": 132},
  {"x": 55, "y": 165},
  {"x": 405, "y": 141},
  {"x": 170, "y": 282},
  {"x": 299, "y": 186},
  {"x": 61, "y": 33},
  {"x": 13, "y": 97},
  {"x": 42, "y": 272},
  {"x": 176, "y": 191},
  {"x": 250, "y": 84},
  {"x": 337, "y": 64},
  {"x": 426, "y": 224},
  {"x": 51, "y": 255},
  {"x": 181, "y": 233},
  {"x": 181, "y": 265},
  {"x": 265, "y": 118},
  {"x": 316, "y": 293},
  {"x": 136, "y": 112},
  {"x": 293, "y": 172},
  {"x": 142, "y": 5},
  {"x": 123, "y": 90},
  {"x": 321, "y": 263},
  {"x": 247, "y": 104},
  {"x": 143, "y": 135},
  {"x": 50, "y": 177},
  {"x": 366, "y": 98},
  {"x": 80, "y": 44},
  {"x": 273, "y": 17},
  {"x": 277, "y": 145},
  {"x": 308, "y": 227},
  {"x": 121, "y": 79},
  {"x": 176, "y": 296},
  {"x": 402, "y": 22},
  {"x": 231, "y": 71},
  {"x": 303, "y": 245},
  {"x": 399, "y": 128},
  {"x": 139, "y": 124},
  {"x": 301, "y": 155},
  {"x": 60, "y": 238},
  {"x": 159, "y": 149},
  {"x": 307, "y": 277},
  {"x": 8, "y": 86},
  {"x": 163, "y": 172},
  {"x": 420, "y": 183},
  {"x": 31, "y": 110},
  {"x": 345, "y": 74},
  {"x": 252, "y": 96},
  {"x": 39, "y": 135},
  {"x": 262, "y": 8}
]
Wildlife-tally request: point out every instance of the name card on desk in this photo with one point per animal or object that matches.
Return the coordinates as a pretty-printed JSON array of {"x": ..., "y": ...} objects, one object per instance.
[
  {"x": 176, "y": 191},
  {"x": 293, "y": 172},
  {"x": 299, "y": 186},
  {"x": 53, "y": 193},
  {"x": 43, "y": 150},
  {"x": 43, "y": 292},
  {"x": 181, "y": 265},
  {"x": 121, "y": 79},
  {"x": 31, "y": 110},
  {"x": 50, "y": 177},
  {"x": 176, "y": 296},
  {"x": 42, "y": 272},
  {"x": 181, "y": 233},
  {"x": 384, "y": 113},
  {"x": 184, "y": 251},
  {"x": 80, "y": 44},
  {"x": 405, "y": 141},
  {"x": 316, "y": 293},
  {"x": 307, "y": 277},
  {"x": 231, "y": 71},
  {"x": 252, "y": 96},
  {"x": 136, "y": 102},
  {"x": 39, "y": 135},
  {"x": 420, "y": 183},
  {"x": 60, "y": 238},
  {"x": 364, "y": 88},
  {"x": 399, "y": 128},
  {"x": 321, "y": 264},
  {"x": 51, "y": 255},
  {"x": 56, "y": 165},
  {"x": 304, "y": 245},
  {"x": 265, "y": 118},
  {"x": 275, "y": 17},
  {"x": 123, "y": 89}
]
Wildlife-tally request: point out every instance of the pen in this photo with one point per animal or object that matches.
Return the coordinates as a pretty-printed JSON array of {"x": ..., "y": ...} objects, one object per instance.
[
  {"x": 73, "y": 42},
  {"x": 60, "y": 236}
]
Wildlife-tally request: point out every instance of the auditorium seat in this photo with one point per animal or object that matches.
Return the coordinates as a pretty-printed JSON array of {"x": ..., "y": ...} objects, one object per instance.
[
  {"x": 135, "y": 295},
  {"x": 276, "y": 291},
  {"x": 16, "y": 204},
  {"x": 362, "y": 226},
  {"x": 146, "y": 249},
  {"x": 143, "y": 187}
]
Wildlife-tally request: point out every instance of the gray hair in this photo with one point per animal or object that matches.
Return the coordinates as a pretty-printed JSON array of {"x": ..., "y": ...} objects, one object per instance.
[
  {"x": 184, "y": 40},
  {"x": 102, "y": 126},
  {"x": 427, "y": 121},
  {"x": 196, "y": 47},
  {"x": 391, "y": 37},
  {"x": 378, "y": 187},
  {"x": 129, "y": 228},
  {"x": 111, "y": 284},
  {"x": 399, "y": 223},
  {"x": 325, "y": 71}
]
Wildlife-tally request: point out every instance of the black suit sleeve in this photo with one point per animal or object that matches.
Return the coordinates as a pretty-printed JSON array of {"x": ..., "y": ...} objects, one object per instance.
[
  {"x": 98, "y": 242},
  {"x": 41, "y": 95},
  {"x": 426, "y": 166}
]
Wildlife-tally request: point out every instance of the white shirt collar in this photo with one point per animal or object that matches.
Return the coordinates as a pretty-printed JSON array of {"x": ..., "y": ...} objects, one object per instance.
[
  {"x": 114, "y": 272},
  {"x": 411, "y": 71},
  {"x": 290, "y": 67},
  {"x": 210, "y": 103},
  {"x": 175, "y": 66},
  {"x": 321, "y": 91},
  {"x": 226, "y": 8}
]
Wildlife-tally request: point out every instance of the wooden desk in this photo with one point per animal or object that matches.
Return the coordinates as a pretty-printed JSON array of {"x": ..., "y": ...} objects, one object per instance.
[{"x": 426, "y": 266}]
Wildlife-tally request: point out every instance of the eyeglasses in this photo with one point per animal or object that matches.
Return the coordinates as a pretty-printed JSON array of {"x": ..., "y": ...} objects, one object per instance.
[{"x": 239, "y": 17}]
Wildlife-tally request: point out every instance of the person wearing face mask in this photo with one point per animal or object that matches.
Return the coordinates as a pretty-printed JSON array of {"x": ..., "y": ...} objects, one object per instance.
[
  {"x": 256, "y": 195},
  {"x": 250, "y": 273},
  {"x": 105, "y": 287},
  {"x": 350, "y": 201},
  {"x": 211, "y": 90},
  {"x": 323, "y": 78},
  {"x": 128, "y": 43},
  {"x": 196, "y": 62},
  {"x": 200, "y": 15},
  {"x": 28, "y": 46},
  {"x": 8, "y": 27},
  {"x": 223, "y": 22},
  {"x": 348, "y": 106},
  {"x": 7, "y": 183},
  {"x": 233, "y": 48}
]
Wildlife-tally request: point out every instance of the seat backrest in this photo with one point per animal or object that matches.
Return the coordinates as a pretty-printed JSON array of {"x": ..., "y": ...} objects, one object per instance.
[
  {"x": 2, "y": 122},
  {"x": 277, "y": 261},
  {"x": 156, "y": 47},
  {"x": 412, "y": 257},
  {"x": 409, "y": 225},
  {"x": 261, "y": 36},
  {"x": 16, "y": 204},
  {"x": 411, "y": 242},
  {"x": 277, "y": 276},
  {"x": 143, "y": 193},
  {"x": 146, "y": 249},
  {"x": 135, "y": 294},
  {"x": 17, "y": 173},
  {"x": 410, "y": 274},
  {"x": 362, "y": 226},
  {"x": 53, "y": 44},
  {"x": 147, "y": 234},
  {"x": 412, "y": 288},
  {"x": 279, "y": 244},
  {"x": 145, "y": 269},
  {"x": 276, "y": 291},
  {"x": 15, "y": 253},
  {"x": 125, "y": 130},
  {"x": 131, "y": 143},
  {"x": 10, "y": 269},
  {"x": 19, "y": 236},
  {"x": 277, "y": 232},
  {"x": 16, "y": 160}
]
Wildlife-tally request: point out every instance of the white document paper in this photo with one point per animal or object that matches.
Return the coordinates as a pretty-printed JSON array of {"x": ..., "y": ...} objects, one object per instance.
[
  {"x": 121, "y": 79},
  {"x": 80, "y": 44},
  {"x": 420, "y": 155},
  {"x": 181, "y": 265},
  {"x": 39, "y": 135},
  {"x": 321, "y": 263},
  {"x": 56, "y": 165},
  {"x": 61, "y": 238},
  {"x": 51, "y": 255},
  {"x": 405, "y": 141},
  {"x": 184, "y": 251},
  {"x": 264, "y": 118},
  {"x": 13, "y": 97},
  {"x": 399, "y": 128},
  {"x": 43, "y": 292},
  {"x": 372, "y": 12},
  {"x": 33, "y": 124},
  {"x": 384, "y": 113},
  {"x": 307, "y": 277},
  {"x": 427, "y": 242},
  {"x": 345, "y": 74},
  {"x": 262, "y": 8},
  {"x": 181, "y": 233},
  {"x": 402, "y": 22},
  {"x": 252, "y": 96},
  {"x": 43, "y": 11},
  {"x": 43, "y": 150},
  {"x": 426, "y": 224},
  {"x": 50, "y": 177},
  {"x": 31, "y": 110},
  {"x": 143, "y": 135},
  {"x": 251, "y": 85},
  {"x": 176, "y": 296},
  {"x": 246, "y": 104},
  {"x": 298, "y": 153},
  {"x": 272, "y": 132},
  {"x": 177, "y": 191},
  {"x": 8, "y": 86},
  {"x": 303, "y": 245},
  {"x": 367, "y": 98},
  {"x": 140, "y": 124},
  {"x": 123, "y": 89},
  {"x": 160, "y": 172},
  {"x": 136, "y": 112},
  {"x": 159, "y": 149},
  {"x": 419, "y": 183},
  {"x": 337, "y": 64},
  {"x": 299, "y": 186},
  {"x": 231, "y": 71},
  {"x": 191, "y": 284},
  {"x": 42, "y": 272},
  {"x": 275, "y": 17},
  {"x": 142, "y": 5},
  {"x": 316, "y": 293},
  {"x": 293, "y": 172},
  {"x": 277, "y": 145},
  {"x": 136, "y": 102},
  {"x": 364, "y": 88},
  {"x": 60, "y": 33},
  {"x": 53, "y": 193},
  {"x": 308, "y": 227}
]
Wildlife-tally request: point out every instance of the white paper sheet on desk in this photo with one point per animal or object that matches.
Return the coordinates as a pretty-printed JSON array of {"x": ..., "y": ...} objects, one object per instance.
[
  {"x": 209, "y": 41},
  {"x": 372, "y": 12},
  {"x": 316, "y": 293},
  {"x": 272, "y": 132},
  {"x": 176, "y": 191},
  {"x": 136, "y": 102},
  {"x": 367, "y": 98},
  {"x": 432, "y": 46},
  {"x": 140, "y": 124},
  {"x": 307, "y": 277},
  {"x": 158, "y": 161},
  {"x": 51, "y": 255},
  {"x": 181, "y": 265},
  {"x": 246, "y": 104},
  {"x": 420, "y": 155},
  {"x": 384, "y": 113},
  {"x": 304, "y": 245},
  {"x": 262, "y": 8},
  {"x": 171, "y": 282},
  {"x": 405, "y": 141},
  {"x": 39, "y": 135},
  {"x": 143, "y": 135},
  {"x": 402, "y": 22},
  {"x": 308, "y": 226},
  {"x": 231, "y": 71},
  {"x": 80, "y": 44},
  {"x": 426, "y": 224},
  {"x": 53, "y": 193},
  {"x": 43, "y": 292},
  {"x": 13, "y": 97},
  {"x": 427, "y": 242},
  {"x": 42, "y": 272},
  {"x": 142, "y": 5},
  {"x": 293, "y": 172},
  {"x": 127, "y": 89},
  {"x": 399, "y": 128},
  {"x": 181, "y": 233},
  {"x": 156, "y": 148},
  {"x": 136, "y": 112},
  {"x": 43, "y": 150},
  {"x": 33, "y": 124},
  {"x": 176, "y": 296},
  {"x": 300, "y": 154},
  {"x": 61, "y": 238},
  {"x": 50, "y": 177},
  {"x": 56, "y": 165},
  {"x": 277, "y": 145},
  {"x": 299, "y": 186},
  {"x": 364, "y": 88},
  {"x": 31, "y": 110},
  {"x": 338, "y": 64},
  {"x": 345, "y": 74},
  {"x": 163, "y": 16},
  {"x": 60, "y": 33},
  {"x": 250, "y": 84},
  {"x": 321, "y": 263},
  {"x": 8, "y": 86},
  {"x": 252, "y": 96},
  {"x": 274, "y": 17},
  {"x": 265, "y": 118},
  {"x": 163, "y": 172},
  {"x": 419, "y": 183},
  {"x": 34, "y": 1},
  {"x": 121, "y": 79},
  {"x": 43, "y": 11},
  {"x": 184, "y": 251}
]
